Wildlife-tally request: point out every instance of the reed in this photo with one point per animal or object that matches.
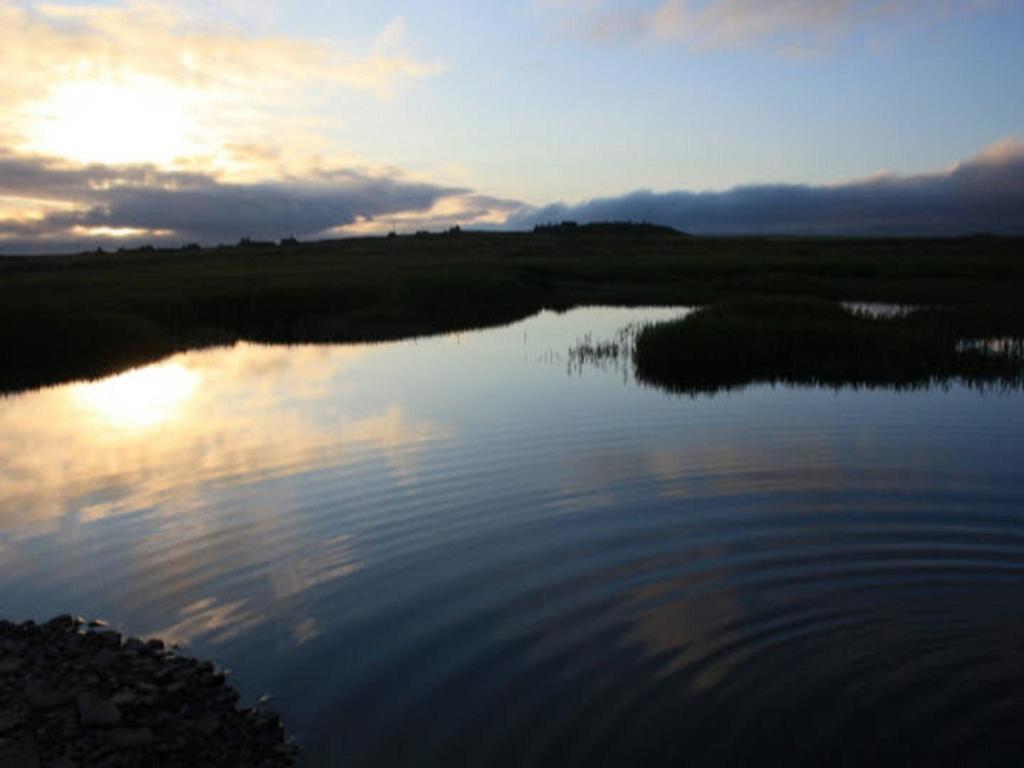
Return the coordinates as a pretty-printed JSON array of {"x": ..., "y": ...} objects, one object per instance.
[{"x": 821, "y": 343}]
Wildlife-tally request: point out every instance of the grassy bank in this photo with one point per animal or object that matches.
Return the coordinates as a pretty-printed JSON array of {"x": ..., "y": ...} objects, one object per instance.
[
  {"x": 70, "y": 317},
  {"x": 818, "y": 342}
]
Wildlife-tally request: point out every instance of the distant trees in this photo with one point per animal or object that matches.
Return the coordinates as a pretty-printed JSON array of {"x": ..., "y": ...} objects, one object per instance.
[
  {"x": 248, "y": 242},
  {"x": 565, "y": 226},
  {"x": 605, "y": 227}
]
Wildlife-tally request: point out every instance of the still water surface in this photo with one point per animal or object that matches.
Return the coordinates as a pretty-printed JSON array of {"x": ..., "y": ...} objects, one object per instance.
[{"x": 473, "y": 550}]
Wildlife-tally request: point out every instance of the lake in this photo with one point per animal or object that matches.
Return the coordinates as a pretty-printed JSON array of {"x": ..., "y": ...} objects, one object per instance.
[{"x": 481, "y": 549}]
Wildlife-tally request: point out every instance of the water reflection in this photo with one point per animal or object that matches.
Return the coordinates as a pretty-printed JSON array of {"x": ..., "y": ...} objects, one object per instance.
[
  {"x": 139, "y": 399},
  {"x": 136, "y": 440},
  {"x": 448, "y": 547}
]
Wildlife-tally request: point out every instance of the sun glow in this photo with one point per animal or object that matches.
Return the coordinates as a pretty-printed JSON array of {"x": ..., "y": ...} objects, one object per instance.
[
  {"x": 136, "y": 120},
  {"x": 119, "y": 232},
  {"x": 141, "y": 398}
]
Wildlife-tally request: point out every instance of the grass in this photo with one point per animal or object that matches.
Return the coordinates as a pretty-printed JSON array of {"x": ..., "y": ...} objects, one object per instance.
[
  {"x": 818, "y": 342},
  {"x": 72, "y": 317}
]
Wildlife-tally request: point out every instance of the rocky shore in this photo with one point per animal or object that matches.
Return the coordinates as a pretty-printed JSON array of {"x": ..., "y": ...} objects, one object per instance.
[{"x": 76, "y": 694}]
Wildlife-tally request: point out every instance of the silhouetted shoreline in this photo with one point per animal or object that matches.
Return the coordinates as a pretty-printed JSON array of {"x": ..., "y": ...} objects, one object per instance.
[{"x": 65, "y": 318}]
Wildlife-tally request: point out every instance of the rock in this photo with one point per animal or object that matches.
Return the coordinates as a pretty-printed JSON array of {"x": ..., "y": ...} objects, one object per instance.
[
  {"x": 97, "y": 624},
  {"x": 94, "y": 712},
  {"x": 73, "y": 697},
  {"x": 24, "y": 754},
  {"x": 40, "y": 696},
  {"x": 7, "y": 724},
  {"x": 134, "y": 645},
  {"x": 61, "y": 623},
  {"x": 64, "y": 719},
  {"x": 174, "y": 688},
  {"x": 124, "y": 698},
  {"x": 102, "y": 660},
  {"x": 109, "y": 637},
  {"x": 208, "y": 725},
  {"x": 130, "y": 738}
]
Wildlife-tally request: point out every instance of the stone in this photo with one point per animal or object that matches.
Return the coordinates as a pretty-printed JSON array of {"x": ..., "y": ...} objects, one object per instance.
[
  {"x": 124, "y": 698},
  {"x": 102, "y": 660},
  {"x": 130, "y": 738},
  {"x": 134, "y": 645},
  {"x": 65, "y": 719},
  {"x": 109, "y": 637},
  {"x": 61, "y": 623},
  {"x": 7, "y": 724},
  {"x": 43, "y": 697},
  {"x": 73, "y": 697},
  {"x": 24, "y": 754},
  {"x": 94, "y": 712},
  {"x": 208, "y": 725}
]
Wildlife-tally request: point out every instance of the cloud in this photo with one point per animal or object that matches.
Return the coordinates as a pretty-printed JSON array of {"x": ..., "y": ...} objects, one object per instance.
[
  {"x": 45, "y": 43},
  {"x": 88, "y": 203},
  {"x": 66, "y": 206},
  {"x": 983, "y": 194},
  {"x": 149, "y": 82},
  {"x": 786, "y": 25}
]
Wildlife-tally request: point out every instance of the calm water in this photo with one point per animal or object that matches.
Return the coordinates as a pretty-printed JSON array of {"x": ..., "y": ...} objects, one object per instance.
[{"x": 471, "y": 550}]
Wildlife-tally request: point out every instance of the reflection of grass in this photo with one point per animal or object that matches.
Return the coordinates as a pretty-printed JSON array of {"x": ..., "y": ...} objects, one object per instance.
[
  {"x": 812, "y": 341},
  {"x": 588, "y": 351},
  {"x": 82, "y": 316},
  {"x": 616, "y": 353}
]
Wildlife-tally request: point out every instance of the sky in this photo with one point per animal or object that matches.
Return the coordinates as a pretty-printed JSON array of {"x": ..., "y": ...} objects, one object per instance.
[{"x": 201, "y": 121}]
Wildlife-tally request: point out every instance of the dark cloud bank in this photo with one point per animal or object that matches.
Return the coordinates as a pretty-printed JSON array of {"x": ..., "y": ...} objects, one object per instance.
[
  {"x": 178, "y": 207},
  {"x": 984, "y": 194}
]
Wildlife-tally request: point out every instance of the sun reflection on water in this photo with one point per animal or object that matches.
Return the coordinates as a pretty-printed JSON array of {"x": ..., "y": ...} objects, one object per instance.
[{"x": 139, "y": 399}]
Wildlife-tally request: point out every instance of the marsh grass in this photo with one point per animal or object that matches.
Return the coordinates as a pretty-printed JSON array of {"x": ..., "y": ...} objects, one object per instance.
[
  {"x": 817, "y": 342},
  {"x": 73, "y": 317}
]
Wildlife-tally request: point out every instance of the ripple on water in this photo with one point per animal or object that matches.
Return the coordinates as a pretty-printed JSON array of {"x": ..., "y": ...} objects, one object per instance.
[{"x": 450, "y": 552}]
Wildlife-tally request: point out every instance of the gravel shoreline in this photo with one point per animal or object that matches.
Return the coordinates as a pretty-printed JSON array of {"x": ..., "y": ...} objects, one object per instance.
[{"x": 74, "y": 694}]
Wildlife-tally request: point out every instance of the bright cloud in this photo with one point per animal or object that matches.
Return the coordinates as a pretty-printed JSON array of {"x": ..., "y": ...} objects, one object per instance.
[
  {"x": 106, "y": 111},
  {"x": 141, "y": 82}
]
